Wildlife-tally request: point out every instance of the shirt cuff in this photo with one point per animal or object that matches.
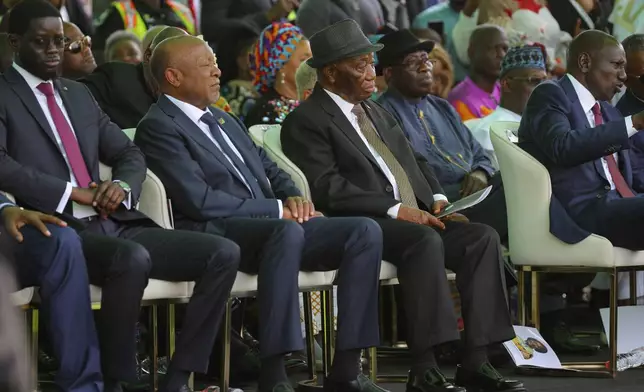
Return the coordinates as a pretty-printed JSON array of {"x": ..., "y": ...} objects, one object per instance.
[
  {"x": 127, "y": 202},
  {"x": 440, "y": 197},
  {"x": 281, "y": 208},
  {"x": 393, "y": 211},
  {"x": 629, "y": 126},
  {"x": 65, "y": 199}
]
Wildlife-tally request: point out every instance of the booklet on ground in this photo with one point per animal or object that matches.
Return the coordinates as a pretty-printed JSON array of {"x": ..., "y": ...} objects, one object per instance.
[{"x": 466, "y": 202}]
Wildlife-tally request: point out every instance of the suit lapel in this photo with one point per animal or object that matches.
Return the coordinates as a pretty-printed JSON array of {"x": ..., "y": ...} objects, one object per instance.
[
  {"x": 580, "y": 120},
  {"x": 195, "y": 133},
  {"x": 342, "y": 122},
  {"x": 86, "y": 145},
  {"x": 28, "y": 98}
]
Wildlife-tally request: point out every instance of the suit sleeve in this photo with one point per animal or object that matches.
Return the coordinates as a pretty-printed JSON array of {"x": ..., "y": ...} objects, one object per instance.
[
  {"x": 116, "y": 150},
  {"x": 309, "y": 147},
  {"x": 281, "y": 182},
  {"x": 40, "y": 191},
  {"x": 217, "y": 25},
  {"x": 428, "y": 173},
  {"x": 547, "y": 121},
  {"x": 185, "y": 181}
]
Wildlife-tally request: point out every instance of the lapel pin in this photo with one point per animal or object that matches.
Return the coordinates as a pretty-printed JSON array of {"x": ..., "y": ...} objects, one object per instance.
[
  {"x": 221, "y": 121},
  {"x": 64, "y": 88}
]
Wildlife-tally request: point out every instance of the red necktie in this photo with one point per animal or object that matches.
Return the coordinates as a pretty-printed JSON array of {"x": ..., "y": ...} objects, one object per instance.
[
  {"x": 70, "y": 144},
  {"x": 620, "y": 183}
]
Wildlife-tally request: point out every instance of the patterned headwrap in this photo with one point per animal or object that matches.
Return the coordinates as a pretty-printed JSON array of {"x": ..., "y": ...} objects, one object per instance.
[
  {"x": 274, "y": 48},
  {"x": 527, "y": 56}
]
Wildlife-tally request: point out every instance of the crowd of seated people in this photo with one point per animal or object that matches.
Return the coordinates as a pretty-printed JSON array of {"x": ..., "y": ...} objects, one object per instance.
[{"x": 388, "y": 124}]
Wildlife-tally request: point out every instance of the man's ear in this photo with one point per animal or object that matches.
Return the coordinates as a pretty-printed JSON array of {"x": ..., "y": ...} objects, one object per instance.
[
  {"x": 147, "y": 55},
  {"x": 387, "y": 73},
  {"x": 505, "y": 85},
  {"x": 14, "y": 42},
  {"x": 584, "y": 62}
]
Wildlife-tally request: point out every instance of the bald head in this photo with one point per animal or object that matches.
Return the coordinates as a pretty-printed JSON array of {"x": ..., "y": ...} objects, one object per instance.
[
  {"x": 488, "y": 45},
  {"x": 165, "y": 33},
  {"x": 589, "y": 42},
  {"x": 150, "y": 35},
  {"x": 185, "y": 67}
]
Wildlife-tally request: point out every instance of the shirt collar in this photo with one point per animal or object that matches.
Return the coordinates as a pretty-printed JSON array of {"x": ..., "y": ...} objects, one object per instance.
[
  {"x": 586, "y": 98},
  {"x": 345, "y": 107},
  {"x": 193, "y": 112},
  {"x": 32, "y": 80}
]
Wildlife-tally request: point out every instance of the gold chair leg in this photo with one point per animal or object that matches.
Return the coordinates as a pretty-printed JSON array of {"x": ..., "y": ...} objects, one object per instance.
[
  {"x": 172, "y": 325},
  {"x": 225, "y": 360},
  {"x": 536, "y": 316},
  {"x": 33, "y": 322},
  {"x": 310, "y": 337},
  {"x": 632, "y": 280},
  {"x": 154, "y": 355},
  {"x": 612, "y": 340},
  {"x": 373, "y": 364},
  {"x": 521, "y": 296},
  {"x": 328, "y": 343},
  {"x": 394, "y": 316}
]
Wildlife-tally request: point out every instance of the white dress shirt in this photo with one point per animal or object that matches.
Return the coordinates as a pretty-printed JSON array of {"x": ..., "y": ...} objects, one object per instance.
[
  {"x": 587, "y": 101},
  {"x": 79, "y": 211},
  {"x": 195, "y": 114},
  {"x": 346, "y": 108}
]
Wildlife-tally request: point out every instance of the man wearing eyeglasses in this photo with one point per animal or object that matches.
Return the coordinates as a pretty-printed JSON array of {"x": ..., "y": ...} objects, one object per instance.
[
  {"x": 522, "y": 69},
  {"x": 78, "y": 60},
  {"x": 436, "y": 131}
]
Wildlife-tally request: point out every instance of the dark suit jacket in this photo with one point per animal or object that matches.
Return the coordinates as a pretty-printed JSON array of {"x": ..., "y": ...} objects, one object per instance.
[
  {"x": 32, "y": 167},
  {"x": 628, "y": 105},
  {"x": 201, "y": 182},
  {"x": 344, "y": 177},
  {"x": 222, "y": 18},
  {"x": 121, "y": 92},
  {"x": 555, "y": 130}
]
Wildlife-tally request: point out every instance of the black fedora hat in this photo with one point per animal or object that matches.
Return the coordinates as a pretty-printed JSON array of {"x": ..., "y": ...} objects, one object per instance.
[
  {"x": 399, "y": 44},
  {"x": 339, "y": 41}
]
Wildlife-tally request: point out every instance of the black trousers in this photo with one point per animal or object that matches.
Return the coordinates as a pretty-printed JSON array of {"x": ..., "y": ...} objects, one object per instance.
[
  {"x": 278, "y": 249},
  {"x": 621, "y": 221},
  {"x": 121, "y": 257},
  {"x": 473, "y": 252}
]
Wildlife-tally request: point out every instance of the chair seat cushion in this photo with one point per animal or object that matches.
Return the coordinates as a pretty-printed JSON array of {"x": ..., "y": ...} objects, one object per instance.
[
  {"x": 246, "y": 284},
  {"x": 628, "y": 258},
  {"x": 157, "y": 289},
  {"x": 22, "y": 297}
]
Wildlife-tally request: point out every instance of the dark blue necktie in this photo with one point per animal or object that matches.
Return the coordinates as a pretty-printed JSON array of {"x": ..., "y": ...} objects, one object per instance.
[{"x": 216, "y": 132}]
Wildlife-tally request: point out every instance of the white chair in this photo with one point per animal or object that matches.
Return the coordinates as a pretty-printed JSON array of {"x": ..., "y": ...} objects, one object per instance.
[
  {"x": 535, "y": 250},
  {"x": 257, "y": 133}
]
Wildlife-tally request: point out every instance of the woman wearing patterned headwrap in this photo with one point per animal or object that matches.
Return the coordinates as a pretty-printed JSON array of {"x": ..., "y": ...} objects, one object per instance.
[{"x": 280, "y": 50}]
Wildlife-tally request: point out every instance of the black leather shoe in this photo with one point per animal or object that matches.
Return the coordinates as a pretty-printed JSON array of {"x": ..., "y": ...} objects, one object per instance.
[
  {"x": 360, "y": 384},
  {"x": 432, "y": 380},
  {"x": 487, "y": 379}
]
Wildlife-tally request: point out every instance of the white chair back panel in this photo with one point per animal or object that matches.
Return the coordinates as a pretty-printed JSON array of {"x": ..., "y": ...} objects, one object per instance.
[
  {"x": 273, "y": 147},
  {"x": 528, "y": 191},
  {"x": 153, "y": 201},
  {"x": 22, "y": 297},
  {"x": 257, "y": 133}
]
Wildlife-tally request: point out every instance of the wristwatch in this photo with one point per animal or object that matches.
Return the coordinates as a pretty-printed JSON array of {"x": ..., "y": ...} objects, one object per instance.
[{"x": 126, "y": 188}]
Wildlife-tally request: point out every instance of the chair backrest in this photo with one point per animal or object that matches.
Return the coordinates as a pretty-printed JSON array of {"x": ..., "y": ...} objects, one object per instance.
[
  {"x": 257, "y": 133},
  {"x": 273, "y": 147},
  {"x": 130, "y": 132},
  {"x": 528, "y": 190},
  {"x": 153, "y": 201}
]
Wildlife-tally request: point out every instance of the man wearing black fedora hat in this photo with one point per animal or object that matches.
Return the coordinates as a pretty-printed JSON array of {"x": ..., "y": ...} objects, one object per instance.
[
  {"x": 436, "y": 131},
  {"x": 358, "y": 162}
]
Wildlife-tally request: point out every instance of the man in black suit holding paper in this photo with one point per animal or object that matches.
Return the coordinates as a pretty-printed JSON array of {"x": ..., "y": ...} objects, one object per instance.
[
  {"x": 52, "y": 137},
  {"x": 358, "y": 162}
]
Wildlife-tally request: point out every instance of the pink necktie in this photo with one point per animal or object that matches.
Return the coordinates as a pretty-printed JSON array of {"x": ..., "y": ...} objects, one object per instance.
[
  {"x": 70, "y": 144},
  {"x": 620, "y": 183}
]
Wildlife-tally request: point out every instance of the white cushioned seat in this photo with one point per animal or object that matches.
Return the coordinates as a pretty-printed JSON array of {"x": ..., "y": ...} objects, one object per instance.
[
  {"x": 246, "y": 284},
  {"x": 156, "y": 289},
  {"x": 257, "y": 133},
  {"x": 23, "y": 297}
]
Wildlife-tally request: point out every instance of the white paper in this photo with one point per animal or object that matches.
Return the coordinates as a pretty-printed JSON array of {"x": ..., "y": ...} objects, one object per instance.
[
  {"x": 529, "y": 348},
  {"x": 629, "y": 327},
  {"x": 466, "y": 202}
]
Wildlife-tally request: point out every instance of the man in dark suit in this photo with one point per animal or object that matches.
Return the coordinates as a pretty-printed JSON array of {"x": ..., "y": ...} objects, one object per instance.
[
  {"x": 52, "y": 137},
  {"x": 358, "y": 162},
  {"x": 46, "y": 253},
  {"x": 219, "y": 182},
  {"x": 570, "y": 127},
  {"x": 124, "y": 91}
]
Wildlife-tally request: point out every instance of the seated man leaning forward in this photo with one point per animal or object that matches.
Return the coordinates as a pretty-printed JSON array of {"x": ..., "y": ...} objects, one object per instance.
[
  {"x": 358, "y": 162},
  {"x": 435, "y": 130},
  {"x": 219, "y": 182}
]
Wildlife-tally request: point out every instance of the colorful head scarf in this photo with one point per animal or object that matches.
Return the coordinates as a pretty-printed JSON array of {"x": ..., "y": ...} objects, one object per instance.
[
  {"x": 274, "y": 48},
  {"x": 527, "y": 56}
]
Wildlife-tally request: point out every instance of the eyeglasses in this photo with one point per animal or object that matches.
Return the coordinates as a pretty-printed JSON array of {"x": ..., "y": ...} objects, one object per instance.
[
  {"x": 78, "y": 45},
  {"x": 415, "y": 63},
  {"x": 532, "y": 81}
]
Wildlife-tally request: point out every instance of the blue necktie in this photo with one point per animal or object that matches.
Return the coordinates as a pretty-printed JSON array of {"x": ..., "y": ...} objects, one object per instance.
[{"x": 216, "y": 132}]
